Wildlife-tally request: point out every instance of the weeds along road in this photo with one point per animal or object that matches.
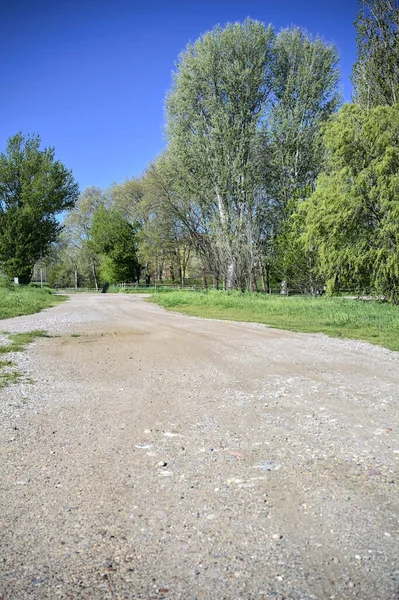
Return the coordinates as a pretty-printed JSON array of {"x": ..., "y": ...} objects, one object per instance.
[{"x": 161, "y": 456}]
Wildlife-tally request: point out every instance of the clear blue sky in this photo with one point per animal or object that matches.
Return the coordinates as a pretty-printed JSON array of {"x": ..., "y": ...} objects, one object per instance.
[{"x": 90, "y": 76}]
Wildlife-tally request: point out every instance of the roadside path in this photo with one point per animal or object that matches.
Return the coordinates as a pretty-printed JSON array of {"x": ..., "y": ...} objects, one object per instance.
[{"x": 161, "y": 456}]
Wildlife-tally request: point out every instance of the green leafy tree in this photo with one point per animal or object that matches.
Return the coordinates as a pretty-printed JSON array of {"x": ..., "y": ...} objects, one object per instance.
[
  {"x": 115, "y": 240},
  {"x": 352, "y": 219},
  {"x": 292, "y": 261},
  {"x": 214, "y": 113},
  {"x": 64, "y": 269},
  {"x": 77, "y": 239},
  {"x": 305, "y": 95},
  {"x": 173, "y": 225},
  {"x": 244, "y": 116},
  {"x": 126, "y": 198},
  {"x": 34, "y": 189},
  {"x": 376, "y": 71}
]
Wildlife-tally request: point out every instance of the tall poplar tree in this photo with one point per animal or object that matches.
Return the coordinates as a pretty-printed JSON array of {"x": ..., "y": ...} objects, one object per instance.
[
  {"x": 305, "y": 95},
  {"x": 376, "y": 72},
  {"x": 214, "y": 112}
]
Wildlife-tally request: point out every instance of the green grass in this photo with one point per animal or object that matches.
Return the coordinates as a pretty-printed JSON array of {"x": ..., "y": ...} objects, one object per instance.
[
  {"x": 7, "y": 377},
  {"x": 20, "y": 340},
  {"x": 16, "y": 342},
  {"x": 17, "y": 300},
  {"x": 6, "y": 363},
  {"x": 371, "y": 321}
]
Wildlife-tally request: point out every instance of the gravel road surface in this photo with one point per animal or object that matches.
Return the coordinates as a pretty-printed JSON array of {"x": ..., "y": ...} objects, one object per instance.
[{"x": 150, "y": 455}]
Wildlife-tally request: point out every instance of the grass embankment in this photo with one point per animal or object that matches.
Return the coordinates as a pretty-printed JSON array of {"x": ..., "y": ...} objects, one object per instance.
[
  {"x": 371, "y": 321},
  {"x": 17, "y": 300}
]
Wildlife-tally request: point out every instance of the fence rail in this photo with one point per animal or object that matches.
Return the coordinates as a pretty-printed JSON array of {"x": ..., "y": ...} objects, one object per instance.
[
  {"x": 190, "y": 287},
  {"x": 74, "y": 289},
  {"x": 155, "y": 285}
]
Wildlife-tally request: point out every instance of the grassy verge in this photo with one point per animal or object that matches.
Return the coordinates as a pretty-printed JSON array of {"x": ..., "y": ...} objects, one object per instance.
[
  {"x": 25, "y": 300},
  {"x": 373, "y": 322},
  {"x": 15, "y": 342}
]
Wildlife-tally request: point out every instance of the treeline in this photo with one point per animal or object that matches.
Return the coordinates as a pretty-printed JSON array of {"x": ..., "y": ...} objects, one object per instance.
[
  {"x": 266, "y": 179},
  {"x": 244, "y": 146}
]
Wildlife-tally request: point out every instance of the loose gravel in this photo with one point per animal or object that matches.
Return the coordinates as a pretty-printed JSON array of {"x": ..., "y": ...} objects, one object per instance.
[{"x": 149, "y": 455}]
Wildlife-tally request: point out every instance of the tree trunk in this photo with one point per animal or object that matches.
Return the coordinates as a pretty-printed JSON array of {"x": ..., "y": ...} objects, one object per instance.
[
  {"x": 284, "y": 288},
  {"x": 268, "y": 288},
  {"x": 93, "y": 266},
  {"x": 254, "y": 285},
  {"x": 204, "y": 279},
  {"x": 147, "y": 276},
  {"x": 263, "y": 280},
  {"x": 230, "y": 276}
]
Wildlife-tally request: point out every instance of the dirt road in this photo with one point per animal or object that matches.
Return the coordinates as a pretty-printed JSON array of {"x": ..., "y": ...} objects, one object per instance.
[{"x": 161, "y": 456}]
